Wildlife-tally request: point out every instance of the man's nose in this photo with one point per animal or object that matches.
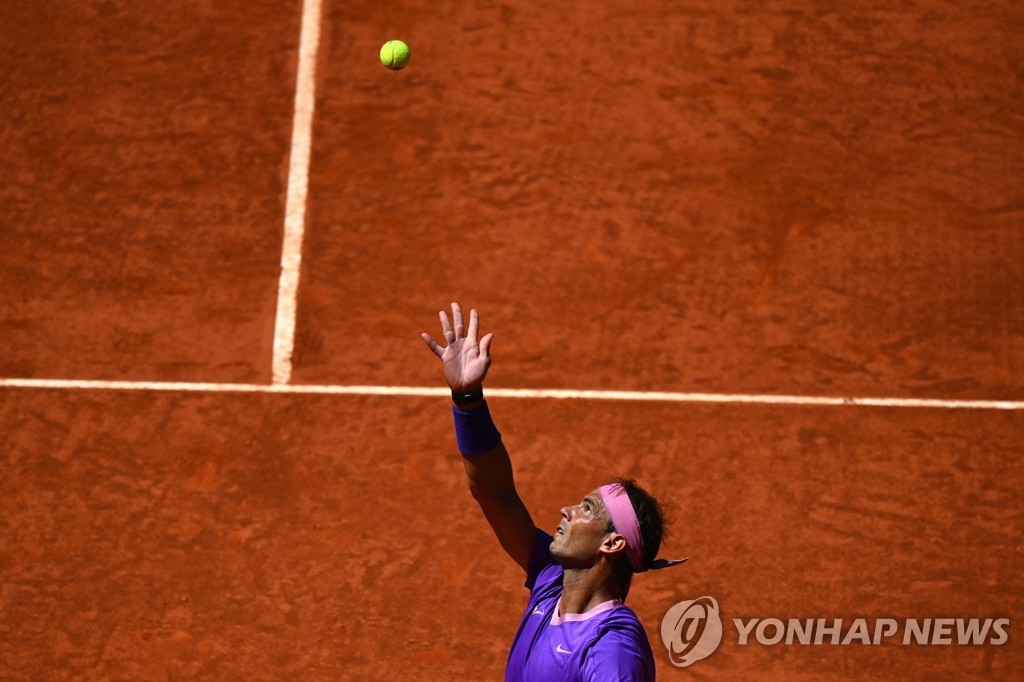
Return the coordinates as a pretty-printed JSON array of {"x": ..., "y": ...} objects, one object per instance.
[{"x": 566, "y": 512}]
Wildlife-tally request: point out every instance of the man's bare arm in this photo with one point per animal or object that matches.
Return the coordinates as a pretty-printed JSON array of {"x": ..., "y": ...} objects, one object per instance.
[{"x": 489, "y": 474}]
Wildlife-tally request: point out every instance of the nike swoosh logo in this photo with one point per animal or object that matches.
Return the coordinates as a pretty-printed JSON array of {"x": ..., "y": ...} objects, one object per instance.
[
  {"x": 536, "y": 612},
  {"x": 562, "y": 650}
]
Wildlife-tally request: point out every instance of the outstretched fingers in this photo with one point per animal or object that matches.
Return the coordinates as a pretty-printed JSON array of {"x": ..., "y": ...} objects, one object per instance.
[
  {"x": 460, "y": 327},
  {"x": 438, "y": 351},
  {"x": 474, "y": 326},
  {"x": 446, "y": 328},
  {"x": 485, "y": 346}
]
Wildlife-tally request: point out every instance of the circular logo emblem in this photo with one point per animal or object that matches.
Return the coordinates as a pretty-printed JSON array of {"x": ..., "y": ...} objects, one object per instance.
[{"x": 691, "y": 630}]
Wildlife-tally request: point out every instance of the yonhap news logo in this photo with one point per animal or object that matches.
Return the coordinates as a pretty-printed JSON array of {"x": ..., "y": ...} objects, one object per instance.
[
  {"x": 692, "y": 630},
  {"x": 921, "y": 631}
]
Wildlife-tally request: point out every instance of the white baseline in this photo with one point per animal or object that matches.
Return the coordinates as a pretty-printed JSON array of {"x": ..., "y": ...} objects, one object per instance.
[{"x": 560, "y": 394}]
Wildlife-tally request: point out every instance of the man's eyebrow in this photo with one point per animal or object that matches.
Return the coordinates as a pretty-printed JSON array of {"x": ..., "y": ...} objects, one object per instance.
[{"x": 593, "y": 503}]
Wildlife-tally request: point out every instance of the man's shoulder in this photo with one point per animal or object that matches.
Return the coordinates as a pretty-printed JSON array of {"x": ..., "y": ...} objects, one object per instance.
[
  {"x": 622, "y": 622},
  {"x": 620, "y": 650},
  {"x": 622, "y": 631}
]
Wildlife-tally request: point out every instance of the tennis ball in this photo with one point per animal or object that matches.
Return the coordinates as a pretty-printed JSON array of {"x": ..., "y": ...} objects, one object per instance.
[{"x": 394, "y": 55}]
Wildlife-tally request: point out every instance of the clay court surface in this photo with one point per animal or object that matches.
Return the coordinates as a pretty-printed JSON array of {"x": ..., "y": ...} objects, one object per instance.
[{"x": 774, "y": 198}]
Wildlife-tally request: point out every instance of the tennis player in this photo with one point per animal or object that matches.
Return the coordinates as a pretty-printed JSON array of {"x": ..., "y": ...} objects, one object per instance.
[{"x": 576, "y": 626}]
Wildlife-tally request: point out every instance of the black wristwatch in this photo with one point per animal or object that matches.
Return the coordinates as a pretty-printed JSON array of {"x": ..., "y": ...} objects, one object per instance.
[{"x": 466, "y": 398}]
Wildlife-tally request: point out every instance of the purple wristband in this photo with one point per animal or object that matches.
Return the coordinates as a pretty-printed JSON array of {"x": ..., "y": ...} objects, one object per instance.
[{"x": 475, "y": 432}]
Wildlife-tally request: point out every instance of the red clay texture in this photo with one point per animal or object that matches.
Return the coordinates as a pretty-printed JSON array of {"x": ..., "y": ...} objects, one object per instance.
[{"x": 777, "y": 197}]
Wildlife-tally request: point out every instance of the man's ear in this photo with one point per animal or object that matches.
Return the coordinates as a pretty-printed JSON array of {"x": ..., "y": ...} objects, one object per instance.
[{"x": 613, "y": 542}]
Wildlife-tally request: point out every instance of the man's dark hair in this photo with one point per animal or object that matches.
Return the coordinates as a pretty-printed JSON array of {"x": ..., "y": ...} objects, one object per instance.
[{"x": 651, "y": 515}]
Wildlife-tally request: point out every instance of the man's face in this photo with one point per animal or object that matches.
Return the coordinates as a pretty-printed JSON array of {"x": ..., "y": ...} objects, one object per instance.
[{"x": 581, "y": 533}]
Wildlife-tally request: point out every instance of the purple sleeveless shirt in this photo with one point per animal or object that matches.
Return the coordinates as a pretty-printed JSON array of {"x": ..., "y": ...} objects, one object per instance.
[{"x": 606, "y": 643}]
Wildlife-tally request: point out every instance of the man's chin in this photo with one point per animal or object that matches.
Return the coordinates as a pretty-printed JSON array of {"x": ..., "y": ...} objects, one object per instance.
[{"x": 556, "y": 551}]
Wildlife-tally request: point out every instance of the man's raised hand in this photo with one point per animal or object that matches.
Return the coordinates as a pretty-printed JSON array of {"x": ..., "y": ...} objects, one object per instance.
[{"x": 465, "y": 361}]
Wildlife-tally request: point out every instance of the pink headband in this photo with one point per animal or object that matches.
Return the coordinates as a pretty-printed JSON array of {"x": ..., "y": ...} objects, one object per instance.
[{"x": 623, "y": 516}]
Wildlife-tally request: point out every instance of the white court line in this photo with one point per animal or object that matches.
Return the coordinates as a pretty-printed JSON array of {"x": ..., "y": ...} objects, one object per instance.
[
  {"x": 645, "y": 396},
  {"x": 298, "y": 188}
]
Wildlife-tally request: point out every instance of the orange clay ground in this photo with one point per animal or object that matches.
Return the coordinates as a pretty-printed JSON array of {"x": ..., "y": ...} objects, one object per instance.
[{"x": 777, "y": 197}]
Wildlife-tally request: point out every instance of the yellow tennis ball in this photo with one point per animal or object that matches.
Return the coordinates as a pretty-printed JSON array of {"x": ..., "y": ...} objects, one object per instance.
[{"x": 394, "y": 55}]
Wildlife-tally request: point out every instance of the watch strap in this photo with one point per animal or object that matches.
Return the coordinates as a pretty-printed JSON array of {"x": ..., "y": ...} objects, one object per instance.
[{"x": 464, "y": 398}]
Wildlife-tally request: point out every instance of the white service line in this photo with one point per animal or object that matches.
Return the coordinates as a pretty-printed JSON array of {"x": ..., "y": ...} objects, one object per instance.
[
  {"x": 298, "y": 188},
  {"x": 562, "y": 394}
]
